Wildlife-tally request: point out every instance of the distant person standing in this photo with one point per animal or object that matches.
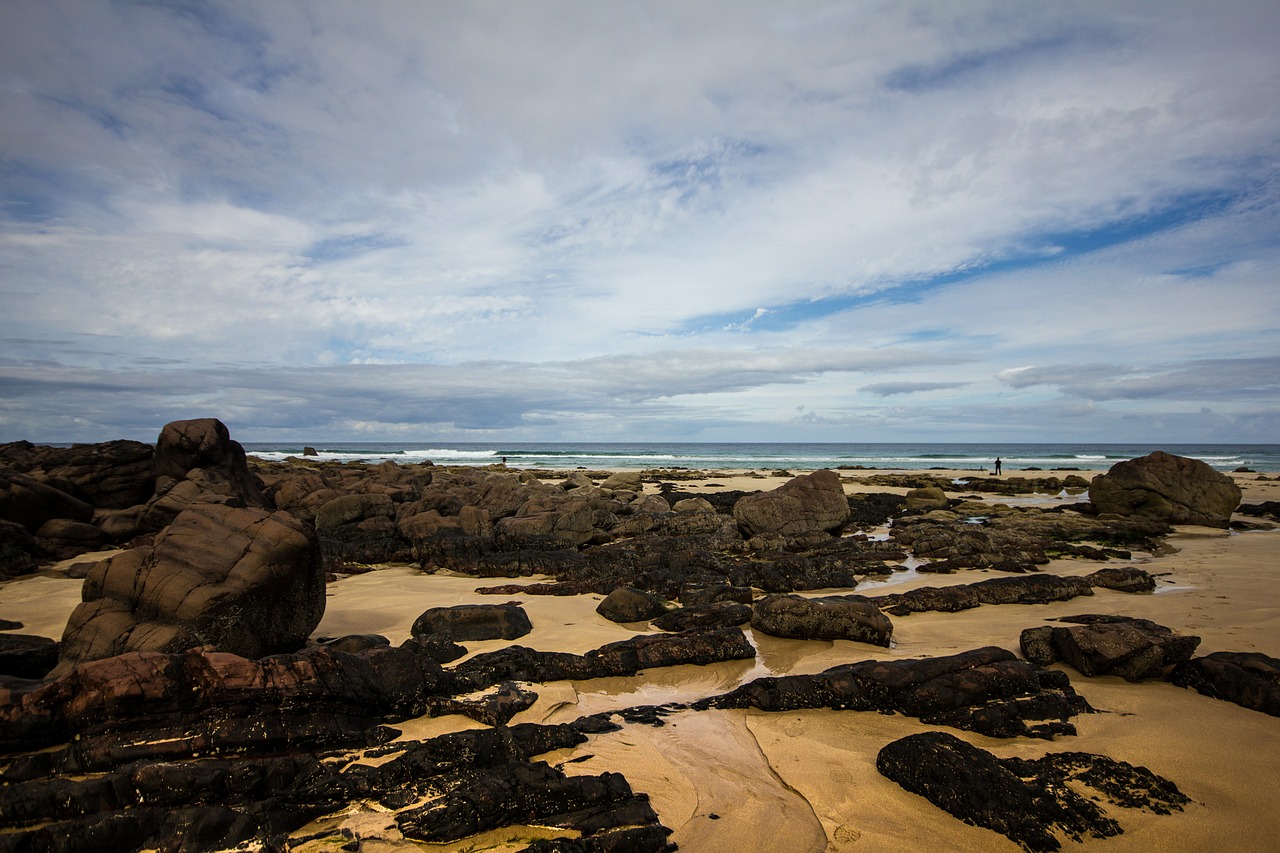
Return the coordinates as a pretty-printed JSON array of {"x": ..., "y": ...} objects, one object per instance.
[{"x": 997, "y": 466}]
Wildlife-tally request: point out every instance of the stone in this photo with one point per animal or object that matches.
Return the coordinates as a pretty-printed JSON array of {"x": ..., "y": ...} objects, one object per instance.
[
  {"x": 693, "y": 505},
  {"x": 552, "y": 517},
  {"x": 1134, "y": 649},
  {"x": 1249, "y": 679},
  {"x": 206, "y": 444},
  {"x": 242, "y": 580},
  {"x": 628, "y": 604},
  {"x": 810, "y": 503},
  {"x": 829, "y": 618},
  {"x": 1167, "y": 487},
  {"x": 26, "y": 655},
  {"x": 494, "y": 708},
  {"x": 31, "y": 502},
  {"x": 360, "y": 529},
  {"x": 630, "y": 481},
  {"x": 111, "y": 475},
  {"x": 465, "y": 622},
  {"x": 1028, "y": 802},
  {"x": 926, "y": 498},
  {"x": 19, "y": 550},
  {"x": 719, "y": 614},
  {"x": 64, "y": 538},
  {"x": 986, "y": 690},
  {"x": 1122, "y": 579}
]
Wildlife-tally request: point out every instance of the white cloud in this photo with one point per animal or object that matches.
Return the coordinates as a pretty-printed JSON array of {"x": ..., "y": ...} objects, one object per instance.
[{"x": 719, "y": 209}]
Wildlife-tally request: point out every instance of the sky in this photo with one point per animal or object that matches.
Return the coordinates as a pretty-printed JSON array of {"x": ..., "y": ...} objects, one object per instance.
[{"x": 615, "y": 221}]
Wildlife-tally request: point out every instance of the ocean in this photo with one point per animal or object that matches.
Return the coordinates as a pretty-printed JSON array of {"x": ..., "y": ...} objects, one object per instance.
[{"x": 772, "y": 456}]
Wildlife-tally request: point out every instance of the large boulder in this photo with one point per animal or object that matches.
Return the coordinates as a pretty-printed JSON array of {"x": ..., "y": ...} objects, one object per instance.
[
  {"x": 1249, "y": 679},
  {"x": 628, "y": 604},
  {"x": 110, "y": 475},
  {"x": 1172, "y": 488},
  {"x": 30, "y": 501},
  {"x": 240, "y": 580},
  {"x": 807, "y": 504},
  {"x": 836, "y": 617}
]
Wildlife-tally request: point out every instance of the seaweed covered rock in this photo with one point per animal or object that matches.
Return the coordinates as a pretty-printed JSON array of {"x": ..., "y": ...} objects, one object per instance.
[{"x": 1028, "y": 802}]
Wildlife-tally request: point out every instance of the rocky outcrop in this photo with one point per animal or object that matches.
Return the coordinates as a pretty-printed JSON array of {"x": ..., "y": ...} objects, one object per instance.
[
  {"x": 828, "y": 618},
  {"x": 1249, "y": 679},
  {"x": 466, "y": 622},
  {"x": 1028, "y": 802},
  {"x": 985, "y": 690},
  {"x": 241, "y": 580},
  {"x": 31, "y": 501},
  {"x": 1134, "y": 649},
  {"x": 1026, "y": 589},
  {"x": 700, "y": 617},
  {"x": 1167, "y": 487},
  {"x": 812, "y": 503},
  {"x": 26, "y": 655}
]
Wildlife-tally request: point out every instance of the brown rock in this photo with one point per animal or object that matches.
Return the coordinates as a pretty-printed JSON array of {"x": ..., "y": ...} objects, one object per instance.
[
  {"x": 1172, "y": 488},
  {"x": 241, "y": 580},
  {"x": 807, "y": 504}
]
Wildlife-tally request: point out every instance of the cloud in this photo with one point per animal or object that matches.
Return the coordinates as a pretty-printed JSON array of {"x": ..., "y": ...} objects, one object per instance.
[
  {"x": 889, "y": 389},
  {"x": 671, "y": 214}
]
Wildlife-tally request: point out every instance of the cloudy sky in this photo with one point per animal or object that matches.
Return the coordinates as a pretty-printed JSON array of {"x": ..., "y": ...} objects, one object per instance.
[{"x": 703, "y": 221}]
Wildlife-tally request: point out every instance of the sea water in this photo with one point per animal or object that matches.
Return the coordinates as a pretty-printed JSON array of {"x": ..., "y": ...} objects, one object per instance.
[{"x": 772, "y": 456}]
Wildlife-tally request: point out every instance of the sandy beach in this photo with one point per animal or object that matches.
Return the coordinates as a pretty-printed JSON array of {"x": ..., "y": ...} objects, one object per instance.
[{"x": 806, "y": 781}]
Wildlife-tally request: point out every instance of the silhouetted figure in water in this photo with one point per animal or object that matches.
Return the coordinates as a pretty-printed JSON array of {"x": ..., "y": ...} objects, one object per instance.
[{"x": 997, "y": 466}]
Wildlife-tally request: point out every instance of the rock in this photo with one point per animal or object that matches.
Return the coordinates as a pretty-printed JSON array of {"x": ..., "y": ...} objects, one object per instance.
[
  {"x": 1124, "y": 579},
  {"x": 465, "y": 622},
  {"x": 630, "y": 481},
  {"x": 356, "y": 643},
  {"x": 309, "y": 451},
  {"x": 806, "y": 504},
  {"x": 205, "y": 444},
  {"x": 1134, "y": 649},
  {"x": 830, "y": 618},
  {"x": 26, "y": 655},
  {"x": 360, "y": 529},
  {"x": 1249, "y": 679},
  {"x": 241, "y": 580},
  {"x": 64, "y": 538},
  {"x": 926, "y": 498},
  {"x": 985, "y": 690},
  {"x": 111, "y": 475},
  {"x": 1026, "y": 801},
  {"x": 693, "y": 505},
  {"x": 719, "y": 614},
  {"x": 1167, "y": 487},
  {"x": 628, "y": 604},
  {"x": 19, "y": 550},
  {"x": 697, "y": 596},
  {"x": 551, "y": 518},
  {"x": 941, "y": 536},
  {"x": 495, "y": 708},
  {"x": 31, "y": 502}
]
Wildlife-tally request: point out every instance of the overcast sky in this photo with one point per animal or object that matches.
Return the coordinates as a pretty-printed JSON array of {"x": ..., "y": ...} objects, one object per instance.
[{"x": 703, "y": 221}]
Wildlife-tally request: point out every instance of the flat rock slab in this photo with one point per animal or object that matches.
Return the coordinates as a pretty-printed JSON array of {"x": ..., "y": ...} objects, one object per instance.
[
  {"x": 829, "y": 618},
  {"x": 1134, "y": 649},
  {"x": 1249, "y": 679}
]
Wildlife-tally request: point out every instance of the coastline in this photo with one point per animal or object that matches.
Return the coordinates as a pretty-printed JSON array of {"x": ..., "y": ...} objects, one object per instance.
[{"x": 806, "y": 780}]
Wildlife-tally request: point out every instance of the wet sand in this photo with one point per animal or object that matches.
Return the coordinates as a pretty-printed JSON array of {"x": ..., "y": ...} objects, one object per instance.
[{"x": 806, "y": 781}]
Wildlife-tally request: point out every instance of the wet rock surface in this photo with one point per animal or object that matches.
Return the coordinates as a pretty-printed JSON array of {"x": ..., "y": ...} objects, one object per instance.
[
  {"x": 1028, "y": 802},
  {"x": 826, "y": 618}
]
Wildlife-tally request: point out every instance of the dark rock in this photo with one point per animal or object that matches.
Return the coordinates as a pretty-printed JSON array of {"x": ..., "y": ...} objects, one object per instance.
[
  {"x": 205, "y": 444},
  {"x": 63, "y": 538},
  {"x": 628, "y": 604},
  {"x": 1167, "y": 487},
  {"x": 1249, "y": 679},
  {"x": 984, "y": 690},
  {"x": 873, "y": 509},
  {"x": 626, "y": 657},
  {"x": 19, "y": 550},
  {"x": 360, "y": 529},
  {"x": 1026, "y": 589},
  {"x": 246, "y": 581},
  {"x": 465, "y": 622},
  {"x": 1028, "y": 802},
  {"x": 1266, "y": 509},
  {"x": 493, "y": 709},
  {"x": 1125, "y": 579},
  {"x": 719, "y": 614},
  {"x": 30, "y": 502},
  {"x": 111, "y": 475},
  {"x": 697, "y": 596},
  {"x": 828, "y": 618},
  {"x": 26, "y": 655},
  {"x": 1133, "y": 649},
  {"x": 807, "y": 504},
  {"x": 356, "y": 643}
]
